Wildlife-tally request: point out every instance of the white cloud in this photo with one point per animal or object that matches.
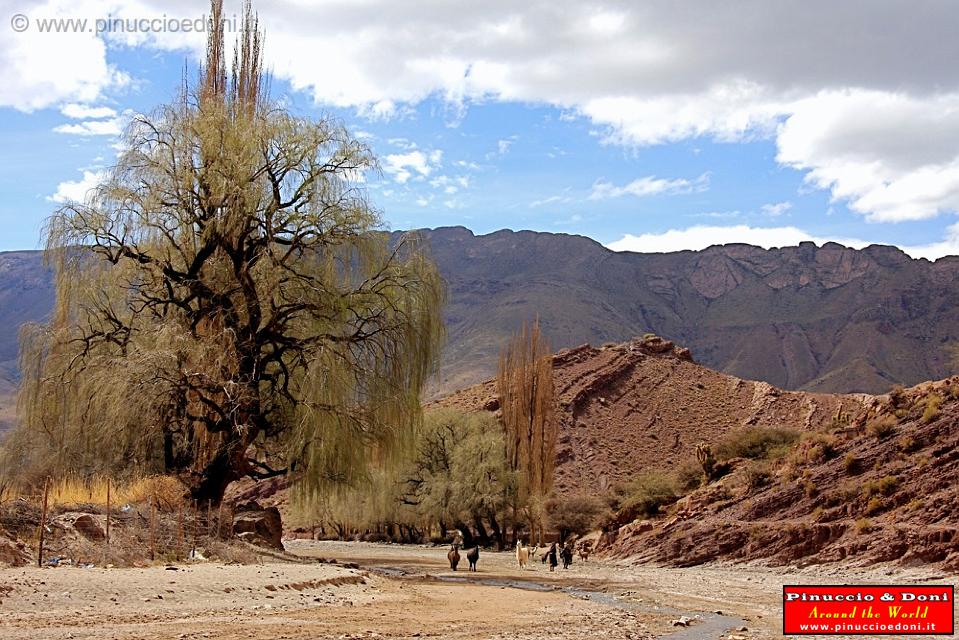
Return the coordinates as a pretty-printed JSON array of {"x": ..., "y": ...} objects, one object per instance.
[
  {"x": 891, "y": 156},
  {"x": 414, "y": 164},
  {"x": 39, "y": 70},
  {"x": 112, "y": 127},
  {"x": 862, "y": 96},
  {"x": 648, "y": 186},
  {"x": 948, "y": 246},
  {"x": 550, "y": 200},
  {"x": 78, "y": 190},
  {"x": 82, "y": 111},
  {"x": 776, "y": 209},
  {"x": 700, "y": 237}
]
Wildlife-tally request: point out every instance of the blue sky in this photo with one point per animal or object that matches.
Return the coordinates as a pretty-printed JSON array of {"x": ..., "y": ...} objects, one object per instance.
[{"x": 645, "y": 126}]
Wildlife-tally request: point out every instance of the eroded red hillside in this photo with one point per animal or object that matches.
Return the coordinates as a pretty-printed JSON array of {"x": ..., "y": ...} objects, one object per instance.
[
  {"x": 883, "y": 489},
  {"x": 628, "y": 408}
]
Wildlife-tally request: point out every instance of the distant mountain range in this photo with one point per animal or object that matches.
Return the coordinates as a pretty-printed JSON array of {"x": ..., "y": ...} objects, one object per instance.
[{"x": 829, "y": 319}]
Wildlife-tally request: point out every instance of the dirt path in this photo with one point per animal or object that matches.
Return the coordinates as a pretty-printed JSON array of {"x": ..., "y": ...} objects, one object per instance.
[
  {"x": 749, "y": 597},
  {"x": 398, "y": 592}
]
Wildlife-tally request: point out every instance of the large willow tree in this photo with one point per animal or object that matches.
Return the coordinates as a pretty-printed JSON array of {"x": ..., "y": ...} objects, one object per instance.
[{"x": 229, "y": 285}]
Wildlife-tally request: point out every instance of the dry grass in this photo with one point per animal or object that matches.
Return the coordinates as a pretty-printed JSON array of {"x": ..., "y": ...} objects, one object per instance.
[{"x": 167, "y": 491}]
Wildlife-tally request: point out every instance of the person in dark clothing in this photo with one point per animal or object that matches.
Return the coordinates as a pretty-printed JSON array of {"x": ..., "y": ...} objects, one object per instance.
[
  {"x": 567, "y": 554},
  {"x": 551, "y": 555}
]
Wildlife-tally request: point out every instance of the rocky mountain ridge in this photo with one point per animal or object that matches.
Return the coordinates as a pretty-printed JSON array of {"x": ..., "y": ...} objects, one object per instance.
[{"x": 828, "y": 319}]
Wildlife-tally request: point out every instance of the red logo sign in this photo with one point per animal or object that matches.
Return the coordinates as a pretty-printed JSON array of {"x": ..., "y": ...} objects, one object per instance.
[{"x": 868, "y": 610}]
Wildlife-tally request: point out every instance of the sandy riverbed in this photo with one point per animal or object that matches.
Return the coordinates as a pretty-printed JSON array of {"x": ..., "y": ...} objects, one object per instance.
[{"x": 401, "y": 592}]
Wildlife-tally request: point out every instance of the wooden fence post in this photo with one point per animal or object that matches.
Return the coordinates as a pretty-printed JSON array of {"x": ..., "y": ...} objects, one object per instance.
[
  {"x": 153, "y": 529},
  {"x": 179, "y": 526},
  {"x": 108, "y": 514},
  {"x": 106, "y": 537},
  {"x": 43, "y": 521},
  {"x": 196, "y": 527}
]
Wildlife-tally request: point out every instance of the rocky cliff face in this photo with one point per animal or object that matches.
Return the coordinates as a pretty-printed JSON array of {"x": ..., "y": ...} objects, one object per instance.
[
  {"x": 828, "y": 318},
  {"x": 643, "y": 405}
]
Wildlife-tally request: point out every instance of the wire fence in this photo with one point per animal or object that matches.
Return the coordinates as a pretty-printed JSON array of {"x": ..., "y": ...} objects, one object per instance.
[{"x": 111, "y": 533}]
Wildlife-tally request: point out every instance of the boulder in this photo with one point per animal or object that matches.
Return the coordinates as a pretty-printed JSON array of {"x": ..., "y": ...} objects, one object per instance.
[
  {"x": 264, "y": 525},
  {"x": 90, "y": 526},
  {"x": 14, "y": 553}
]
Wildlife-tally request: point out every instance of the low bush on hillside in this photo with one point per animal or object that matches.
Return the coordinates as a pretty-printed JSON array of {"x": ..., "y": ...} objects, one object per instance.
[
  {"x": 814, "y": 448},
  {"x": 863, "y": 525},
  {"x": 897, "y": 396},
  {"x": 851, "y": 464},
  {"x": 933, "y": 404},
  {"x": 645, "y": 495},
  {"x": 689, "y": 476},
  {"x": 758, "y": 475},
  {"x": 756, "y": 443},
  {"x": 883, "y": 427},
  {"x": 885, "y": 486},
  {"x": 908, "y": 444},
  {"x": 874, "y": 506}
]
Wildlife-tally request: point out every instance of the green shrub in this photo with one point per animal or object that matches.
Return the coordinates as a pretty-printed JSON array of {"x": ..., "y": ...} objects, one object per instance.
[
  {"x": 863, "y": 525},
  {"x": 645, "y": 495},
  {"x": 756, "y": 443},
  {"x": 689, "y": 476},
  {"x": 814, "y": 448}
]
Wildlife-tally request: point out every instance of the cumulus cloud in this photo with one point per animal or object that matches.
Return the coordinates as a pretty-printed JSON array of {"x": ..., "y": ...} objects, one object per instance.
[
  {"x": 39, "y": 70},
  {"x": 892, "y": 157},
  {"x": 111, "y": 127},
  {"x": 78, "y": 190},
  {"x": 82, "y": 111},
  {"x": 862, "y": 96},
  {"x": 700, "y": 237},
  {"x": 648, "y": 186},
  {"x": 403, "y": 166}
]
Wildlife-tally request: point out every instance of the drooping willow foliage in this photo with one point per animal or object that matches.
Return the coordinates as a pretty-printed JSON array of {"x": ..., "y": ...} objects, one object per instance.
[
  {"x": 455, "y": 477},
  {"x": 525, "y": 387},
  {"x": 228, "y": 286}
]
